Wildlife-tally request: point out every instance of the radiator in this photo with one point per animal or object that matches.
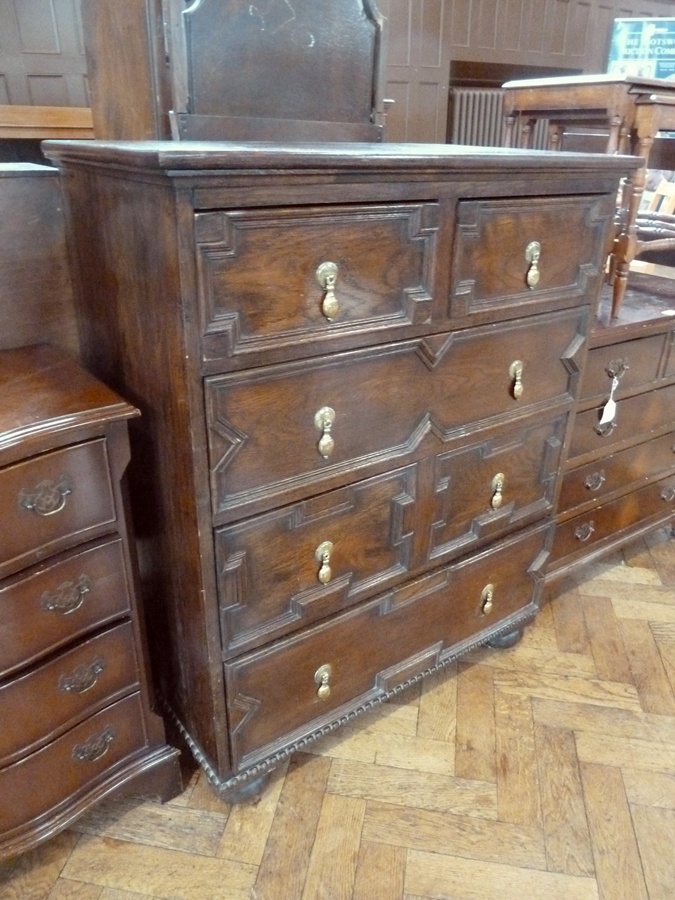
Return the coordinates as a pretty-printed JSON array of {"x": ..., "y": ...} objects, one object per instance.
[{"x": 476, "y": 116}]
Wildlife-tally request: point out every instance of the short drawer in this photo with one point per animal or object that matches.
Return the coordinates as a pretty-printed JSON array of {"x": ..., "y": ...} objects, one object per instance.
[
  {"x": 291, "y": 567},
  {"x": 635, "y": 364},
  {"x": 61, "y": 600},
  {"x": 298, "y": 277},
  {"x": 52, "y": 501},
  {"x": 635, "y": 419},
  {"x": 527, "y": 252},
  {"x": 617, "y": 472},
  {"x": 613, "y": 520},
  {"x": 281, "y": 433},
  {"x": 59, "y": 773},
  {"x": 70, "y": 687},
  {"x": 277, "y": 695}
]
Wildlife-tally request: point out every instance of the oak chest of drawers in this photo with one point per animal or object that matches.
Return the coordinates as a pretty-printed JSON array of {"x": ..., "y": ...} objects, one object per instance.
[
  {"x": 356, "y": 366},
  {"x": 77, "y": 722},
  {"x": 619, "y": 479}
]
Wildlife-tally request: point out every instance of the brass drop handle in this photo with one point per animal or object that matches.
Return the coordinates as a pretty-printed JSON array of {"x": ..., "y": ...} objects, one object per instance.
[
  {"x": 497, "y": 490},
  {"x": 94, "y": 747},
  {"x": 516, "y": 375},
  {"x": 487, "y": 599},
  {"x": 323, "y": 420},
  {"x": 322, "y": 677},
  {"x": 326, "y": 275},
  {"x": 322, "y": 554},
  {"x": 532, "y": 254},
  {"x": 668, "y": 494},
  {"x": 47, "y": 498}
]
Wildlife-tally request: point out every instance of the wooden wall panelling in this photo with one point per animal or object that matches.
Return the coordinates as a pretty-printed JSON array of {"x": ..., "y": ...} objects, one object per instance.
[
  {"x": 42, "y": 60},
  {"x": 36, "y": 299}
]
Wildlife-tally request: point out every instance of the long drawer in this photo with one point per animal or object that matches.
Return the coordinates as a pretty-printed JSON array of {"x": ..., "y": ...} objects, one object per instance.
[
  {"x": 291, "y": 567},
  {"x": 59, "y": 601},
  {"x": 82, "y": 757},
  {"x": 619, "y": 471},
  {"x": 70, "y": 686},
  {"x": 356, "y": 414},
  {"x": 304, "y": 682},
  {"x": 612, "y": 522},
  {"x": 53, "y": 501},
  {"x": 636, "y": 418}
]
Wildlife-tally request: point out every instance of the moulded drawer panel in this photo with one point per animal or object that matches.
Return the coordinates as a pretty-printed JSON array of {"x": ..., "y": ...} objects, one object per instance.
[
  {"x": 279, "y": 433},
  {"x": 52, "y": 501},
  {"x": 261, "y": 282},
  {"x": 274, "y": 694},
  {"x": 290, "y": 567},
  {"x": 40, "y": 784},
  {"x": 60, "y": 601},
  {"x": 579, "y": 535},
  {"x": 492, "y": 263},
  {"x": 634, "y": 420},
  {"x": 69, "y": 686},
  {"x": 597, "y": 479},
  {"x": 636, "y": 364}
]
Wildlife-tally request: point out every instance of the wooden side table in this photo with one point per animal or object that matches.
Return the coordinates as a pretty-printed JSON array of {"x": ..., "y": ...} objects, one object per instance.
[{"x": 632, "y": 111}]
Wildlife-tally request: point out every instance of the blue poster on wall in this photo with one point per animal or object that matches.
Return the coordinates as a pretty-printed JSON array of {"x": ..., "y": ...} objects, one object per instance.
[{"x": 643, "y": 48}]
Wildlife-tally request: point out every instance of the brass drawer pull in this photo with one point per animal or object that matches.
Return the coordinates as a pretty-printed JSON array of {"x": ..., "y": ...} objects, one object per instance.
[
  {"x": 47, "y": 498},
  {"x": 67, "y": 597},
  {"x": 583, "y": 532},
  {"x": 532, "y": 254},
  {"x": 83, "y": 678},
  {"x": 322, "y": 555},
  {"x": 322, "y": 677},
  {"x": 95, "y": 747},
  {"x": 595, "y": 481},
  {"x": 497, "y": 490},
  {"x": 487, "y": 599},
  {"x": 516, "y": 375},
  {"x": 668, "y": 494},
  {"x": 323, "y": 420},
  {"x": 326, "y": 275}
]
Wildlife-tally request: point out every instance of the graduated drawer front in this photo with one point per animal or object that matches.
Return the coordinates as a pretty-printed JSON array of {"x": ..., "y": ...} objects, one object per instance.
[
  {"x": 496, "y": 243},
  {"x": 274, "y": 695},
  {"x": 268, "y": 427},
  {"x": 60, "y": 601},
  {"x": 56, "y": 775},
  {"x": 291, "y": 567},
  {"x": 261, "y": 283},
  {"x": 635, "y": 363},
  {"x": 618, "y": 472},
  {"x": 635, "y": 419},
  {"x": 69, "y": 687},
  {"x": 649, "y": 506},
  {"x": 52, "y": 501}
]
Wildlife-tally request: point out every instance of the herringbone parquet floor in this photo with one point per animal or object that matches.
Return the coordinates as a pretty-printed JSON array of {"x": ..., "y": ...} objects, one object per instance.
[{"x": 545, "y": 771}]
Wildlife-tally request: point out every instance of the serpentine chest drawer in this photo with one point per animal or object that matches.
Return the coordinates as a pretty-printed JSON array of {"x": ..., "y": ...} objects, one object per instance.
[
  {"x": 356, "y": 366},
  {"x": 77, "y": 721}
]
